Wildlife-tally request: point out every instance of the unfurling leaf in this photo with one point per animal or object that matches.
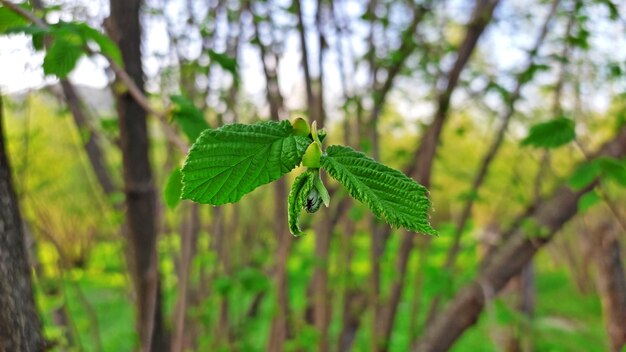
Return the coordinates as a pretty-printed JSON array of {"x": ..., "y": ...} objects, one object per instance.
[
  {"x": 307, "y": 192},
  {"x": 302, "y": 186},
  {"x": 226, "y": 163},
  {"x": 551, "y": 134},
  {"x": 387, "y": 192}
]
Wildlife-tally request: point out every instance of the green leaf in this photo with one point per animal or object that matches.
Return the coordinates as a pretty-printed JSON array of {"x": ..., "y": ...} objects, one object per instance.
[
  {"x": 551, "y": 134},
  {"x": 387, "y": 192},
  {"x": 81, "y": 33},
  {"x": 302, "y": 185},
  {"x": 61, "y": 57},
  {"x": 588, "y": 200},
  {"x": 584, "y": 175},
  {"x": 226, "y": 163},
  {"x": 10, "y": 19},
  {"x": 107, "y": 46},
  {"x": 613, "y": 169},
  {"x": 188, "y": 116},
  {"x": 610, "y": 168},
  {"x": 226, "y": 62},
  {"x": 37, "y": 33},
  {"x": 173, "y": 187}
]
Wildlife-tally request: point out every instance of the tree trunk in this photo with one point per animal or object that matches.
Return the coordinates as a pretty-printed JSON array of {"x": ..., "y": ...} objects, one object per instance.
[
  {"x": 421, "y": 167},
  {"x": 611, "y": 284},
  {"x": 93, "y": 146},
  {"x": 20, "y": 328},
  {"x": 124, "y": 27}
]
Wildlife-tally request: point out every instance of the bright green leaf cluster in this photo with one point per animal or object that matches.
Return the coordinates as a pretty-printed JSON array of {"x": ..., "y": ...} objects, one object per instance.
[
  {"x": 233, "y": 160},
  {"x": 551, "y": 134},
  {"x": 226, "y": 163}
]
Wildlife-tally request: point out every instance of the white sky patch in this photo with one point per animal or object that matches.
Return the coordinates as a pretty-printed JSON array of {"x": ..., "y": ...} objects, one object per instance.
[{"x": 505, "y": 41}]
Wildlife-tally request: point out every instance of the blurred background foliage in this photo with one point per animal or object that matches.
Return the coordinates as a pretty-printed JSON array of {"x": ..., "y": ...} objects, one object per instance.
[{"x": 223, "y": 56}]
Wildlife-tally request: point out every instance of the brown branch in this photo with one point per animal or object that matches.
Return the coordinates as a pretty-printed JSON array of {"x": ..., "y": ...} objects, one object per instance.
[
  {"x": 421, "y": 167},
  {"x": 493, "y": 150},
  {"x": 549, "y": 216}
]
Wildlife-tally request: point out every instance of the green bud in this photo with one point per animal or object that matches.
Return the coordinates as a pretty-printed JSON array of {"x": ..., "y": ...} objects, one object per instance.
[
  {"x": 312, "y": 156},
  {"x": 300, "y": 127},
  {"x": 313, "y": 201}
]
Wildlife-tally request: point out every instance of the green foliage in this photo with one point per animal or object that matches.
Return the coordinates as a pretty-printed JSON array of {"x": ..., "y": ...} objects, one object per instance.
[
  {"x": 62, "y": 56},
  {"x": 612, "y": 8},
  {"x": 584, "y": 175},
  {"x": 387, "y": 192},
  {"x": 107, "y": 47},
  {"x": 9, "y": 20},
  {"x": 226, "y": 62},
  {"x": 173, "y": 187},
  {"x": 70, "y": 41},
  {"x": 188, "y": 116},
  {"x": 604, "y": 168},
  {"x": 551, "y": 134},
  {"x": 613, "y": 169},
  {"x": 226, "y": 163},
  {"x": 588, "y": 200},
  {"x": 532, "y": 70}
]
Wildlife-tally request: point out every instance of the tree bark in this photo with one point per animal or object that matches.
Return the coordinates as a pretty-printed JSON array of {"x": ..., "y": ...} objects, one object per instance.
[
  {"x": 124, "y": 27},
  {"x": 611, "y": 283},
  {"x": 421, "y": 168},
  {"x": 549, "y": 216},
  {"x": 494, "y": 148},
  {"x": 20, "y": 327},
  {"x": 189, "y": 233},
  {"x": 93, "y": 147}
]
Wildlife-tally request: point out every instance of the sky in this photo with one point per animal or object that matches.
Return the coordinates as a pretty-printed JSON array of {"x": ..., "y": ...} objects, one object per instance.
[{"x": 505, "y": 40}]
